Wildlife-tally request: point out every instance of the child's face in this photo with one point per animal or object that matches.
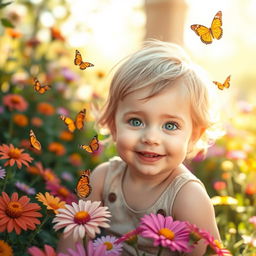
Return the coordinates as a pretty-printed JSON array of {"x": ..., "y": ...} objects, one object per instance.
[{"x": 153, "y": 136}]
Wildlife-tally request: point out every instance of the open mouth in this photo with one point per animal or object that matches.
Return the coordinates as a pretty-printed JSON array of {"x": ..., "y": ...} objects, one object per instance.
[{"x": 151, "y": 155}]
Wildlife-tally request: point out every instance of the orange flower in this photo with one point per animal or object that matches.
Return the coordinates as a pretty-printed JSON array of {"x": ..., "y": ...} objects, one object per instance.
[
  {"x": 51, "y": 202},
  {"x": 20, "y": 120},
  {"x": 13, "y": 33},
  {"x": 56, "y": 34},
  {"x": 5, "y": 249},
  {"x": 14, "y": 155},
  {"x": 66, "y": 135},
  {"x": 49, "y": 175},
  {"x": 15, "y": 101},
  {"x": 17, "y": 214},
  {"x": 36, "y": 169},
  {"x": 57, "y": 148},
  {"x": 75, "y": 159},
  {"x": 45, "y": 108},
  {"x": 36, "y": 121}
]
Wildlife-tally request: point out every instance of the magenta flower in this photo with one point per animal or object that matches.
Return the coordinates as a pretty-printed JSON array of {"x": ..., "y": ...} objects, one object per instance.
[
  {"x": 83, "y": 218},
  {"x": 48, "y": 251},
  {"x": 130, "y": 236},
  {"x": 253, "y": 220},
  {"x": 113, "y": 249},
  {"x": 165, "y": 232},
  {"x": 90, "y": 251}
]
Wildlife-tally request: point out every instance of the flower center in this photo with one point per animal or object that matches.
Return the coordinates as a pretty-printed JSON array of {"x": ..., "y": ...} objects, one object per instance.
[
  {"x": 82, "y": 217},
  {"x": 108, "y": 245},
  {"x": 167, "y": 233},
  {"x": 63, "y": 191},
  {"x": 14, "y": 209},
  {"x": 14, "y": 153},
  {"x": 15, "y": 99},
  {"x": 218, "y": 244},
  {"x": 54, "y": 206}
]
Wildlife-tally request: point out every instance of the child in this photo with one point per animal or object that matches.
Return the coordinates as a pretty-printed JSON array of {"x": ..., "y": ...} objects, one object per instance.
[{"x": 157, "y": 111}]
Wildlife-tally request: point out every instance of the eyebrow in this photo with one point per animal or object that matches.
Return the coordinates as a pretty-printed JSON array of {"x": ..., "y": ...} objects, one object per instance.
[{"x": 163, "y": 116}]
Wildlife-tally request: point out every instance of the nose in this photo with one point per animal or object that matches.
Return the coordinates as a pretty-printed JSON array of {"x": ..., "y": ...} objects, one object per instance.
[{"x": 150, "y": 136}]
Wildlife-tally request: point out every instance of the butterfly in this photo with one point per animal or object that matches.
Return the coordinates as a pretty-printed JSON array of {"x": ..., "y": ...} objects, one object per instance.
[
  {"x": 33, "y": 141},
  {"x": 226, "y": 84},
  {"x": 79, "y": 61},
  {"x": 83, "y": 188},
  {"x": 39, "y": 87},
  {"x": 78, "y": 123},
  {"x": 93, "y": 146},
  {"x": 208, "y": 34}
]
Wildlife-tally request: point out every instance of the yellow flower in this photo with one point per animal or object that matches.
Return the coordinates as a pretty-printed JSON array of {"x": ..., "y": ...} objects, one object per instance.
[
  {"x": 51, "y": 202},
  {"x": 224, "y": 200}
]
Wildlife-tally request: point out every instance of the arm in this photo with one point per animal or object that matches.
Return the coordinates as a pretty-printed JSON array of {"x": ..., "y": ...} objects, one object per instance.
[
  {"x": 97, "y": 182},
  {"x": 194, "y": 205}
]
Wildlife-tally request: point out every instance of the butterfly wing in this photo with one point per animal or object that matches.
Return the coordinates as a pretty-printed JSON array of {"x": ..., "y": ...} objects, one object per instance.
[
  {"x": 40, "y": 88},
  {"x": 203, "y": 32},
  {"x": 78, "y": 58},
  {"x": 93, "y": 146},
  {"x": 83, "y": 188},
  {"x": 85, "y": 65},
  {"x": 68, "y": 122},
  {"x": 33, "y": 141},
  {"x": 227, "y": 82},
  {"x": 79, "y": 121},
  {"x": 220, "y": 85},
  {"x": 216, "y": 28}
]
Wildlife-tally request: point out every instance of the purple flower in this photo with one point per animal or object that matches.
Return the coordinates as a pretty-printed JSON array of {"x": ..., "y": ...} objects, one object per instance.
[
  {"x": 25, "y": 188},
  {"x": 113, "y": 249},
  {"x": 2, "y": 173}
]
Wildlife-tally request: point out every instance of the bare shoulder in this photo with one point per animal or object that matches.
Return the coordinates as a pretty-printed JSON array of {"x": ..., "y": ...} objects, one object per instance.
[
  {"x": 193, "y": 204},
  {"x": 97, "y": 179}
]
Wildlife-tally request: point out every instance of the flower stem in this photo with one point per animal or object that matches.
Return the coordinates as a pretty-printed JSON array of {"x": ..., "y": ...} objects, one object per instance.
[
  {"x": 30, "y": 240},
  {"x": 159, "y": 250},
  {"x": 6, "y": 180}
]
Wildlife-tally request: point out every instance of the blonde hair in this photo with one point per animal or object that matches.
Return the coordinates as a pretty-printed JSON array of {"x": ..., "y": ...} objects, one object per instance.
[{"x": 157, "y": 66}]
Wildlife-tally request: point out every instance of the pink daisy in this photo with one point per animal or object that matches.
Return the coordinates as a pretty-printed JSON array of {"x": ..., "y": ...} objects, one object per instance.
[
  {"x": 83, "y": 218},
  {"x": 195, "y": 233},
  {"x": 129, "y": 237},
  {"x": 90, "y": 251},
  {"x": 113, "y": 249},
  {"x": 48, "y": 251},
  {"x": 165, "y": 232}
]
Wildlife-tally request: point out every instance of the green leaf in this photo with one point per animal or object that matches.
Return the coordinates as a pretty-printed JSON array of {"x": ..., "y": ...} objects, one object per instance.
[
  {"x": 2, "y": 5},
  {"x": 6, "y": 23}
]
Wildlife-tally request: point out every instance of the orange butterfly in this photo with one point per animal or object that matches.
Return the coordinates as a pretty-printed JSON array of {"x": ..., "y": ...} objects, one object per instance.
[
  {"x": 33, "y": 141},
  {"x": 83, "y": 188},
  {"x": 79, "y": 61},
  {"x": 208, "y": 34},
  {"x": 226, "y": 84},
  {"x": 77, "y": 124},
  {"x": 40, "y": 88},
  {"x": 93, "y": 146}
]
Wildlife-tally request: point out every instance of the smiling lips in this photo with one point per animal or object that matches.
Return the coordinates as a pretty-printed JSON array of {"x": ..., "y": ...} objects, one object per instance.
[{"x": 149, "y": 156}]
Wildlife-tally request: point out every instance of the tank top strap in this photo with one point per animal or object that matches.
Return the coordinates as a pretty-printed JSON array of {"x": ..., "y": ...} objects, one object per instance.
[{"x": 113, "y": 176}]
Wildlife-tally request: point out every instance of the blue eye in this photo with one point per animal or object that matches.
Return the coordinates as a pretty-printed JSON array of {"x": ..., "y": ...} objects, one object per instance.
[
  {"x": 170, "y": 126},
  {"x": 135, "y": 122}
]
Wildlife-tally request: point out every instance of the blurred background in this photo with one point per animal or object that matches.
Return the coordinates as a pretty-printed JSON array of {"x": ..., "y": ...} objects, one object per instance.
[{"x": 38, "y": 38}]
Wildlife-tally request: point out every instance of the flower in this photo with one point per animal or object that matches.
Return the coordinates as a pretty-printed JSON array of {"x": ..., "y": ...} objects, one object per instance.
[
  {"x": 219, "y": 185},
  {"x": 79, "y": 219},
  {"x": 20, "y": 120},
  {"x": 129, "y": 237},
  {"x": 45, "y": 108},
  {"x": 216, "y": 247},
  {"x": 60, "y": 191},
  {"x": 90, "y": 250},
  {"x": 36, "y": 121},
  {"x": 195, "y": 233},
  {"x": 2, "y": 173},
  {"x": 224, "y": 200},
  {"x": 5, "y": 249},
  {"x": 67, "y": 176},
  {"x": 48, "y": 251},
  {"x": 13, "y": 33},
  {"x": 57, "y": 148},
  {"x": 14, "y": 155},
  {"x": 66, "y": 135},
  {"x": 18, "y": 214},
  {"x": 75, "y": 159},
  {"x": 113, "y": 249},
  {"x": 15, "y": 102},
  {"x": 166, "y": 232},
  {"x": 25, "y": 188},
  {"x": 253, "y": 220},
  {"x": 51, "y": 202}
]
